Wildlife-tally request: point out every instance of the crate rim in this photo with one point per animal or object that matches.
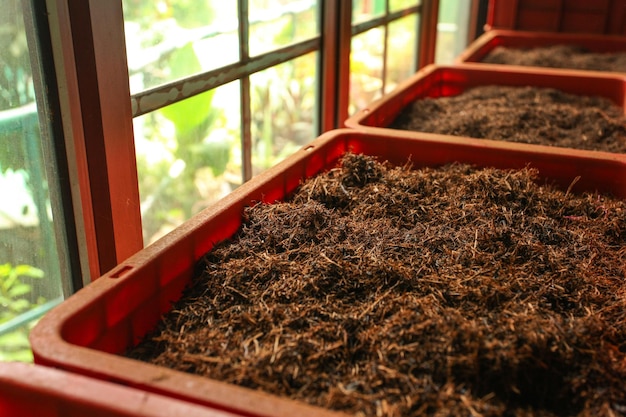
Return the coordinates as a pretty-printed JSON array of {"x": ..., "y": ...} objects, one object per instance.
[{"x": 356, "y": 121}]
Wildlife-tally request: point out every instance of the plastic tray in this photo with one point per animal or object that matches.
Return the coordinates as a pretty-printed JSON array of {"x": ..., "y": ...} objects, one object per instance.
[
  {"x": 488, "y": 41},
  {"x": 442, "y": 81},
  {"x": 36, "y": 391},
  {"x": 88, "y": 331},
  {"x": 579, "y": 16}
]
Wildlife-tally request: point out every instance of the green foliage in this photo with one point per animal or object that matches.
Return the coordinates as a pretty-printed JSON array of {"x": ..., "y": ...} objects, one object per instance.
[
  {"x": 286, "y": 34},
  {"x": 283, "y": 100},
  {"x": 16, "y": 86},
  {"x": 169, "y": 192},
  {"x": 294, "y": 27},
  {"x": 192, "y": 119},
  {"x": 13, "y": 290},
  {"x": 192, "y": 13},
  {"x": 15, "y": 74},
  {"x": 212, "y": 153},
  {"x": 186, "y": 13},
  {"x": 14, "y": 346},
  {"x": 15, "y": 300},
  {"x": 192, "y": 116}
]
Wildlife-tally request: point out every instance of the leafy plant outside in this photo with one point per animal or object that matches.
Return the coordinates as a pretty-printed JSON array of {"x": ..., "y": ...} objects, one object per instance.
[
  {"x": 169, "y": 187},
  {"x": 198, "y": 152},
  {"x": 16, "y": 298}
]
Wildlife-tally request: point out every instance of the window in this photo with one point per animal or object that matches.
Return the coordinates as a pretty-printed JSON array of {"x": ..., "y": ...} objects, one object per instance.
[
  {"x": 453, "y": 29},
  {"x": 380, "y": 57},
  {"x": 245, "y": 97},
  {"x": 223, "y": 90},
  {"x": 35, "y": 270}
]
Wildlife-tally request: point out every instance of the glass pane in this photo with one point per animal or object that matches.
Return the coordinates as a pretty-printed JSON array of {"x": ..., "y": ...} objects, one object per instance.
[
  {"x": 188, "y": 156},
  {"x": 30, "y": 276},
  {"x": 157, "y": 31},
  {"x": 364, "y": 10},
  {"x": 401, "y": 51},
  {"x": 283, "y": 110},
  {"x": 395, "y": 5},
  {"x": 452, "y": 30},
  {"x": 277, "y": 23},
  {"x": 366, "y": 68}
]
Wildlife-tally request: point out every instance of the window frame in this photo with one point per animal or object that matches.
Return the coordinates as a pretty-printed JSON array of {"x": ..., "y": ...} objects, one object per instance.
[{"x": 90, "y": 61}]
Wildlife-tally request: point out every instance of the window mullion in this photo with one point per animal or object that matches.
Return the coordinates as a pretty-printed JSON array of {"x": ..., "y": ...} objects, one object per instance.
[
  {"x": 385, "y": 49},
  {"x": 172, "y": 92},
  {"x": 384, "y": 19},
  {"x": 246, "y": 113},
  {"x": 246, "y": 129},
  {"x": 337, "y": 37},
  {"x": 428, "y": 32}
]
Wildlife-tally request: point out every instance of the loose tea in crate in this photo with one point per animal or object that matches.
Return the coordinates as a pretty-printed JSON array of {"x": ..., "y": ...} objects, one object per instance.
[
  {"x": 390, "y": 291},
  {"x": 558, "y": 56},
  {"x": 543, "y": 116}
]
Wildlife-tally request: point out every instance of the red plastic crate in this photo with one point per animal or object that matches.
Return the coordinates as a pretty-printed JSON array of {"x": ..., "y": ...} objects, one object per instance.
[
  {"x": 441, "y": 81},
  {"x": 489, "y": 40},
  {"x": 574, "y": 16},
  {"x": 36, "y": 391},
  {"x": 87, "y": 332}
]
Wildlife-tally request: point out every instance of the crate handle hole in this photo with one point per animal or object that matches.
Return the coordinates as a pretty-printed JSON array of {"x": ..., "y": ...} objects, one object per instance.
[
  {"x": 121, "y": 271},
  {"x": 309, "y": 148}
]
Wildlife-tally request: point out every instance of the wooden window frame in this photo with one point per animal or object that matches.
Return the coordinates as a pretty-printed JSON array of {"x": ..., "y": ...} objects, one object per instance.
[{"x": 90, "y": 61}]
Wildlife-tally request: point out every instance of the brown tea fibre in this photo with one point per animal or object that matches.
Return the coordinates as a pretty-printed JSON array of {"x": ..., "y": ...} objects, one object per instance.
[
  {"x": 385, "y": 291},
  {"x": 558, "y": 56},
  {"x": 521, "y": 114}
]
